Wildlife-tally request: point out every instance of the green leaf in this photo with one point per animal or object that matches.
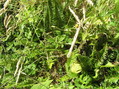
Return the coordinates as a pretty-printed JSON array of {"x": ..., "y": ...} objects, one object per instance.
[
  {"x": 1, "y": 48},
  {"x": 30, "y": 20},
  {"x": 109, "y": 64},
  {"x": 64, "y": 78},
  {"x": 75, "y": 68},
  {"x": 113, "y": 79},
  {"x": 50, "y": 63},
  {"x": 117, "y": 36},
  {"x": 42, "y": 85}
]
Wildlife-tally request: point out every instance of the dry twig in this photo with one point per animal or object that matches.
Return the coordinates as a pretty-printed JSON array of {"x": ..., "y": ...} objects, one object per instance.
[
  {"x": 19, "y": 72},
  {"x": 76, "y": 34},
  {"x": 6, "y": 3},
  {"x": 75, "y": 2},
  {"x": 7, "y": 20},
  {"x": 4, "y": 7},
  {"x": 90, "y": 2},
  {"x": 17, "y": 67}
]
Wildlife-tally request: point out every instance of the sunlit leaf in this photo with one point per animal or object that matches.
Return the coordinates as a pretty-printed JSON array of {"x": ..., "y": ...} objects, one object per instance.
[
  {"x": 109, "y": 64},
  {"x": 75, "y": 68}
]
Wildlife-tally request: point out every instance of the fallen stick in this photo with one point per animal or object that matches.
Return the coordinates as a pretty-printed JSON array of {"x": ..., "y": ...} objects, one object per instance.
[
  {"x": 76, "y": 34},
  {"x": 73, "y": 42},
  {"x": 3, "y": 10}
]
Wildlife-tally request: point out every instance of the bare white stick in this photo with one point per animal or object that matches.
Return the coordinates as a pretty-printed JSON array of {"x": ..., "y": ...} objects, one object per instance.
[
  {"x": 76, "y": 34},
  {"x": 75, "y": 2},
  {"x": 84, "y": 13},
  {"x": 17, "y": 67},
  {"x": 90, "y": 2},
  {"x": 75, "y": 16},
  {"x": 18, "y": 75},
  {"x": 2, "y": 11},
  {"x": 73, "y": 42},
  {"x": 7, "y": 20},
  {"x": 4, "y": 7},
  {"x": 6, "y": 3}
]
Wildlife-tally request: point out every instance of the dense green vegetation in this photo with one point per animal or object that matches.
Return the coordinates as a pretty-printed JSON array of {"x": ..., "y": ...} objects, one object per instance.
[{"x": 36, "y": 36}]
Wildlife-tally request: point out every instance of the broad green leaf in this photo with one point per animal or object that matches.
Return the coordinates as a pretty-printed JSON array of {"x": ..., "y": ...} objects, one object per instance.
[
  {"x": 109, "y": 64},
  {"x": 64, "y": 78},
  {"x": 117, "y": 35},
  {"x": 75, "y": 68},
  {"x": 42, "y": 85}
]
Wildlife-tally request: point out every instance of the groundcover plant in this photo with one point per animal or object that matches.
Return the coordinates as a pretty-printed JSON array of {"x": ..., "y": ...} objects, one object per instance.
[{"x": 59, "y": 44}]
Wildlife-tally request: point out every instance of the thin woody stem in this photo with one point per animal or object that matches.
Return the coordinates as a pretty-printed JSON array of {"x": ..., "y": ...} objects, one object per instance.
[{"x": 73, "y": 42}]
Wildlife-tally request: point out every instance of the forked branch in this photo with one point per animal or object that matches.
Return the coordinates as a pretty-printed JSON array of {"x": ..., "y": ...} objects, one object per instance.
[{"x": 76, "y": 34}]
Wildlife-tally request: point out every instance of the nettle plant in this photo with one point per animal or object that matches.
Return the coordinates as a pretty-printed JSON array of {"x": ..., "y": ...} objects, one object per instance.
[{"x": 97, "y": 53}]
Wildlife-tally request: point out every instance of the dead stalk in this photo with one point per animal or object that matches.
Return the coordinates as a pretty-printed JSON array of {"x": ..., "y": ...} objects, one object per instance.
[
  {"x": 6, "y": 3},
  {"x": 19, "y": 72},
  {"x": 90, "y": 2},
  {"x": 73, "y": 42},
  {"x": 4, "y": 7},
  {"x": 7, "y": 20},
  {"x": 17, "y": 67},
  {"x": 2, "y": 11},
  {"x": 84, "y": 13},
  {"x": 75, "y": 16},
  {"x": 76, "y": 34},
  {"x": 75, "y": 2}
]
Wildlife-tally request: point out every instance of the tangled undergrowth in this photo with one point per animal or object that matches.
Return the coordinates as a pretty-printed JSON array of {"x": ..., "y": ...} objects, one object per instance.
[{"x": 36, "y": 36}]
